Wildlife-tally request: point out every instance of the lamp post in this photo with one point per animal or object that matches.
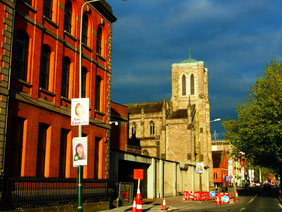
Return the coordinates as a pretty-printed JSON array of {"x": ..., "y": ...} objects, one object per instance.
[
  {"x": 79, "y": 186},
  {"x": 198, "y": 153},
  {"x": 211, "y": 184}
]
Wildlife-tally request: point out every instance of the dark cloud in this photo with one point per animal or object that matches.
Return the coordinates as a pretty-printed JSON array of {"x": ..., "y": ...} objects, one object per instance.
[{"x": 235, "y": 39}]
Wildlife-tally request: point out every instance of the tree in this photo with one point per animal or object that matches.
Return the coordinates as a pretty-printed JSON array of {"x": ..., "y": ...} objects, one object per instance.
[{"x": 258, "y": 128}]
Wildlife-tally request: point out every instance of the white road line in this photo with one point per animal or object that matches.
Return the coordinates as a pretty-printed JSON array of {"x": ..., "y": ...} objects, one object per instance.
[{"x": 252, "y": 199}]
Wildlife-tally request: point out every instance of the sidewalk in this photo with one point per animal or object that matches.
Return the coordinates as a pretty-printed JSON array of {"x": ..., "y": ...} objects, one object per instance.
[{"x": 172, "y": 203}]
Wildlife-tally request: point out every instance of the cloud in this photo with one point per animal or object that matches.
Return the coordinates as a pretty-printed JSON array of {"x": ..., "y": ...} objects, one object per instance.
[{"x": 235, "y": 39}]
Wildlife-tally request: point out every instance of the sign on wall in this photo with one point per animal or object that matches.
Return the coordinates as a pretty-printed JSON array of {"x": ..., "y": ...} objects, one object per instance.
[
  {"x": 79, "y": 146},
  {"x": 80, "y": 111}
]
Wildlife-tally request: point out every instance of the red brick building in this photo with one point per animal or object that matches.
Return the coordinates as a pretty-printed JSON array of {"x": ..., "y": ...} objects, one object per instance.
[
  {"x": 44, "y": 79},
  {"x": 7, "y": 14}
]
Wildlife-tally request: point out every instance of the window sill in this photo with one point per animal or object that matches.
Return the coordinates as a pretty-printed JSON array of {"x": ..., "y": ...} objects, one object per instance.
[
  {"x": 28, "y": 6},
  {"x": 99, "y": 112},
  {"x": 65, "y": 99},
  {"x": 47, "y": 92},
  {"x": 70, "y": 35},
  {"x": 50, "y": 21},
  {"x": 101, "y": 57},
  {"x": 86, "y": 47},
  {"x": 24, "y": 82}
]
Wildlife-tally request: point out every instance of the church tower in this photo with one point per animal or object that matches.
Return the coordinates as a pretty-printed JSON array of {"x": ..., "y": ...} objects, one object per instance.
[{"x": 189, "y": 79}]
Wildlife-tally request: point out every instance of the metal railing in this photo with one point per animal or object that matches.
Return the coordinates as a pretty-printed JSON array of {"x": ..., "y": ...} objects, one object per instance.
[{"x": 19, "y": 192}]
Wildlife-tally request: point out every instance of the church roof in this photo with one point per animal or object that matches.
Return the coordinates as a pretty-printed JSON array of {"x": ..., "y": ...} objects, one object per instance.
[
  {"x": 189, "y": 60},
  {"x": 178, "y": 114},
  {"x": 149, "y": 107}
]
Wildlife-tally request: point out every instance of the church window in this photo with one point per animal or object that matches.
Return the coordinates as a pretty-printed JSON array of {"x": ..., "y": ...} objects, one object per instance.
[
  {"x": 192, "y": 84},
  {"x": 133, "y": 129},
  {"x": 183, "y": 85},
  {"x": 152, "y": 128}
]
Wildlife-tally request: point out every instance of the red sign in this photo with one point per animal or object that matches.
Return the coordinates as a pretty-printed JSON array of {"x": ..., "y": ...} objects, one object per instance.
[{"x": 138, "y": 174}]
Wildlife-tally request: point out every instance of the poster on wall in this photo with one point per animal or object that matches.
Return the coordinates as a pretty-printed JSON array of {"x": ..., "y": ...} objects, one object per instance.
[
  {"x": 200, "y": 168},
  {"x": 79, "y": 146},
  {"x": 80, "y": 111}
]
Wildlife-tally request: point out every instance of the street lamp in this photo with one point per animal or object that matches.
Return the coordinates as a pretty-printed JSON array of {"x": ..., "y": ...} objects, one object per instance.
[
  {"x": 198, "y": 152},
  {"x": 79, "y": 186},
  {"x": 216, "y": 120}
]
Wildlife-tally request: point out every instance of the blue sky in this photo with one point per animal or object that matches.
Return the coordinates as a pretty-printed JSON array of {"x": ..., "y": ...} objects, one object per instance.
[{"x": 235, "y": 39}]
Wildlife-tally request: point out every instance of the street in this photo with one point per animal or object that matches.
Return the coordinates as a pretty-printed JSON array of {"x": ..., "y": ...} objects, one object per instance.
[{"x": 251, "y": 199}]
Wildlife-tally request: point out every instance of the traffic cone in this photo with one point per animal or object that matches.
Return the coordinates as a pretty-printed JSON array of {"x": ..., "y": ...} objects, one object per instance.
[
  {"x": 237, "y": 196},
  {"x": 138, "y": 196},
  {"x": 164, "y": 205},
  {"x": 217, "y": 200},
  {"x": 134, "y": 205},
  {"x": 139, "y": 205}
]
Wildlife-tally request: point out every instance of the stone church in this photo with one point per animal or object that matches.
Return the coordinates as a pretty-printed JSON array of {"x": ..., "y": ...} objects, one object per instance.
[{"x": 176, "y": 129}]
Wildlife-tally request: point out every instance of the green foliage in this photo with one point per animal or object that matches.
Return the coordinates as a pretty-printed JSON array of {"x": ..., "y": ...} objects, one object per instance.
[{"x": 258, "y": 128}]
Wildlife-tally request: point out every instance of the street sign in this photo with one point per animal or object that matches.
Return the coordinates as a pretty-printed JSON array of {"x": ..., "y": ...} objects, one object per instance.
[
  {"x": 225, "y": 199},
  {"x": 80, "y": 111},
  {"x": 79, "y": 146},
  {"x": 138, "y": 174},
  {"x": 212, "y": 193},
  {"x": 200, "y": 168}
]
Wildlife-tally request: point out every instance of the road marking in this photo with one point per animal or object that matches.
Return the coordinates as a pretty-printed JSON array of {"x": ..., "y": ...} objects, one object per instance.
[{"x": 252, "y": 199}]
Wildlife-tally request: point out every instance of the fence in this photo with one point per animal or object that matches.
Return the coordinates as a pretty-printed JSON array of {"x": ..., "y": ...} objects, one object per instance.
[{"x": 17, "y": 192}]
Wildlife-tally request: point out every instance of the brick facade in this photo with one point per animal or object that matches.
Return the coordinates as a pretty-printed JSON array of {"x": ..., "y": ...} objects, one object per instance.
[
  {"x": 7, "y": 11},
  {"x": 41, "y": 114}
]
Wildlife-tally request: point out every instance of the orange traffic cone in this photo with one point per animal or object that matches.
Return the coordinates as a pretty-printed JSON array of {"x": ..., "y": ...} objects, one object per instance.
[
  {"x": 134, "y": 205},
  {"x": 237, "y": 196},
  {"x": 217, "y": 200},
  {"x": 164, "y": 205},
  {"x": 138, "y": 196},
  {"x": 139, "y": 205}
]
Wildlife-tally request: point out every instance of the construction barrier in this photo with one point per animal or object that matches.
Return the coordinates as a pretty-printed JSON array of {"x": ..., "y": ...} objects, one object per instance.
[{"x": 196, "y": 195}]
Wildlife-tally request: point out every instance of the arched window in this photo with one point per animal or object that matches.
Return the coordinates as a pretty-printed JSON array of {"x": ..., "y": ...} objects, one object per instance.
[
  {"x": 133, "y": 129},
  {"x": 215, "y": 176},
  {"x": 84, "y": 29},
  {"x": 21, "y": 55},
  {"x": 152, "y": 128},
  {"x": 192, "y": 85},
  {"x": 99, "y": 40},
  {"x": 47, "y": 9},
  {"x": 44, "y": 67},
  {"x": 183, "y": 85},
  {"x": 83, "y": 82},
  {"x": 65, "y": 77},
  {"x": 98, "y": 93},
  {"x": 68, "y": 15}
]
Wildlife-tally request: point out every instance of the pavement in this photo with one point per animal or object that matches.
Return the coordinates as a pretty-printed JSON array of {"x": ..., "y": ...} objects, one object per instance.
[{"x": 173, "y": 204}]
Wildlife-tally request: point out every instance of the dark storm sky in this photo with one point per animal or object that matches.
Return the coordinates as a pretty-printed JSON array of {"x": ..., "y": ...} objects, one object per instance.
[{"x": 235, "y": 39}]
